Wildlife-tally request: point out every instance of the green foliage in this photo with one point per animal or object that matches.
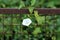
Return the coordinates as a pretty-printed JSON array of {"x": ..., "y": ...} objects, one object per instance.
[
  {"x": 39, "y": 19},
  {"x": 33, "y": 2},
  {"x": 37, "y": 30},
  {"x": 10, "y": 2},
  {"x": 41, "y": 26},
  {"x": 29, "y": 3},
  {"x": 21, "y": 4},
  {"x": 31, "y": 9}
]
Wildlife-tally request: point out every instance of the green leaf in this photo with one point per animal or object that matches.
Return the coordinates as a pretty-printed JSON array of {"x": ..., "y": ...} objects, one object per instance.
[
  {"x": 58, "y": 29},
  {"x": 58, "y": 20},
  {"x": 37, "y": 30},
  {"x": 50, "y": 4},
  {"x": 33, "y": 2},
  {"x": 7, "y": 21},
  {"x": 21, "y": 5},
  {"x": 39, "y": 19},
  {"x": 53, "y": 38},
  {"x": 30, "y": 9},
  {"x": 57, "y": 2}
]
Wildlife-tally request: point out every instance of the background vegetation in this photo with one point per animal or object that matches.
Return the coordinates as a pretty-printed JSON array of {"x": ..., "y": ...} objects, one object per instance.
[{"x": 43, "y": 27}]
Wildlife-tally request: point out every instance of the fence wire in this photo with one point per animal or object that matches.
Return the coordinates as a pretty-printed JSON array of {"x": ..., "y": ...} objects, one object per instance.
[{"x": 11, "y": 27}]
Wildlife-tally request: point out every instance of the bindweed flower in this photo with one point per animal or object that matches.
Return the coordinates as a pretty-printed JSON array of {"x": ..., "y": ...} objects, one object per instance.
[{"x": 26, "y": 22}]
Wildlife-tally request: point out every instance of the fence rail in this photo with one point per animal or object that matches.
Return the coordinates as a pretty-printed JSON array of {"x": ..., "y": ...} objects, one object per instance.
[{"x": 26, "y": 11}]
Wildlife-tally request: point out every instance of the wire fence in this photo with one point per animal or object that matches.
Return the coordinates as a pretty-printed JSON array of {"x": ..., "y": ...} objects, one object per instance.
[{"x": 11, "y": 27}]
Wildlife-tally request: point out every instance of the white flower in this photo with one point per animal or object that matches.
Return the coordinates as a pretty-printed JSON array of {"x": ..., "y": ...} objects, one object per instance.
[{"x": 26, "y": 22}]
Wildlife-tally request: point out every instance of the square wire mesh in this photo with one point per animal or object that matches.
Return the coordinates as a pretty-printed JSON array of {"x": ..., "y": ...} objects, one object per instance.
[{"x": 11, "y": 27}]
